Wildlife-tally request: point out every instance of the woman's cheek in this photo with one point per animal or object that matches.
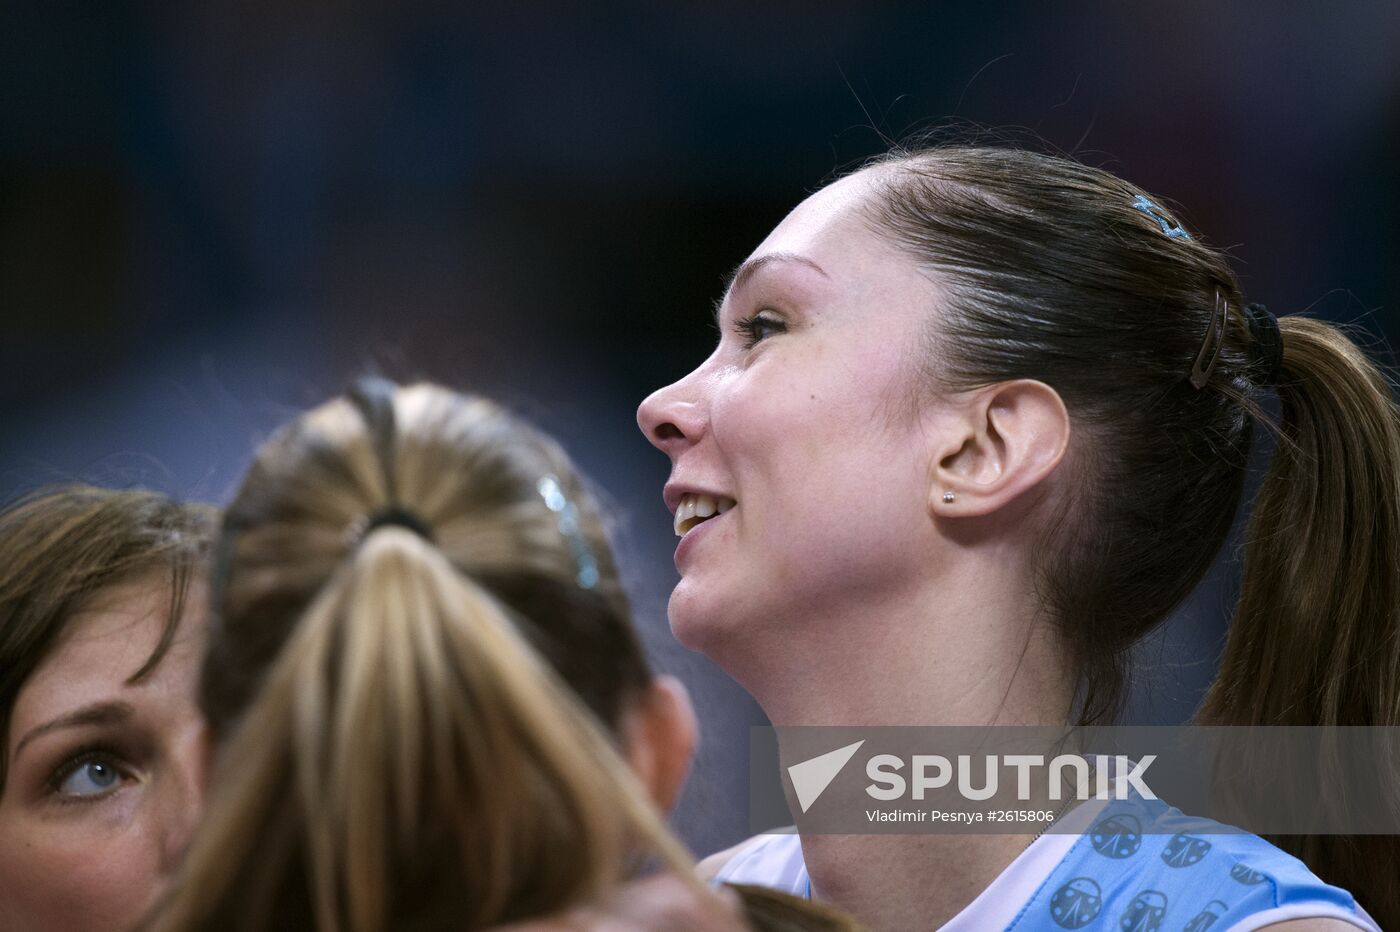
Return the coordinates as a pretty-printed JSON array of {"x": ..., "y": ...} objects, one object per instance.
[
  {"x": 119, "y": 889},
  {"x": 77, "y": 876},
  {"x": 752, "y": 416}
]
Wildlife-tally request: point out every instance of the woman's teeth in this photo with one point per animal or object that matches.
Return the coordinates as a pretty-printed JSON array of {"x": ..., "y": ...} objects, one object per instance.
[{"x": 696, "y": 508}]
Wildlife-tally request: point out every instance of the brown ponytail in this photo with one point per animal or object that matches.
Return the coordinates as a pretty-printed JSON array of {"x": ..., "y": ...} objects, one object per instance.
[
  {"x": 1064, "y": 273},
  {"x": 1316, "y": 634}
]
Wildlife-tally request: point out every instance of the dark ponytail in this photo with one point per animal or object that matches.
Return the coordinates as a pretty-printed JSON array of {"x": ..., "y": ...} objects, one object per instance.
[{"x": 1316, "y": 634}]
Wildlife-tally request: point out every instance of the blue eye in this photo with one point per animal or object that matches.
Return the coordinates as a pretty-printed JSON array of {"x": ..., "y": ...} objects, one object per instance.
[
  {"x": 759, "y": 327},
  {"x": 88, "y": 777}
]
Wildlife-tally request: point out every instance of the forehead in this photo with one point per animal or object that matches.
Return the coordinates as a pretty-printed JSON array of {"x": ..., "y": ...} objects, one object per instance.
[
  {"x": 828, "y": 222},
  {"x": 106, "y": 640},
  {"x": 864, "y": 274}
]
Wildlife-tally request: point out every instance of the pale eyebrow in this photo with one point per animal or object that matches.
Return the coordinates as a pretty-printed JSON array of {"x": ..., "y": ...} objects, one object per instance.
[
  {"x": 748, "y": 269},
  {"x": 99, "y": 713}
]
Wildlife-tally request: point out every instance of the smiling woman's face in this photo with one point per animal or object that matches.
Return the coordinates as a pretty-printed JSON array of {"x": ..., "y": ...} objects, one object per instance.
[
  {"x": 804, "y": 418},
  {"x": 105, "y": 775}
]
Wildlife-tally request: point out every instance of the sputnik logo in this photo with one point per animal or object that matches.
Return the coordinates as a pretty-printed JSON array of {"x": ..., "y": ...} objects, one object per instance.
[{"x": 811, "y": 777}]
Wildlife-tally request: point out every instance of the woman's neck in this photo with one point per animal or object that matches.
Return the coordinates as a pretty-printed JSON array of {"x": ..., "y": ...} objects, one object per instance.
[
  {"x": 925, "y": 659},
  {"x": 893, "y": 883},
  {"x": 935, "y": 655}
]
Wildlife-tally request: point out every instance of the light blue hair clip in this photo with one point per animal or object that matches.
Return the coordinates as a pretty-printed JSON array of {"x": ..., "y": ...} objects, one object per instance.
[
  {"x": 556, "y": 501},
  {"x": 1155, "y": 212}
]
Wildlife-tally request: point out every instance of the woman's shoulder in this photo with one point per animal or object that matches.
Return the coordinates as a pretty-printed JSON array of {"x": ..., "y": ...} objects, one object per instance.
[
  {"x": 1147, "y": 865},
  {"x": 710, "y": 866},
  {"x": 772, "y": 859}
]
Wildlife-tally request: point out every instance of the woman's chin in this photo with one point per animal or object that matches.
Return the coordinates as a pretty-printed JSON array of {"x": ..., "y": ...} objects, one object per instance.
[{"x": 695, "y": 621}]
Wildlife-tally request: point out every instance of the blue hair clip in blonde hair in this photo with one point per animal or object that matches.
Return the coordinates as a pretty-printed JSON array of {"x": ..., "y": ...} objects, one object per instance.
[
  {"x": 1155, "y": 212},
  {"x": 556, "y": 501}
]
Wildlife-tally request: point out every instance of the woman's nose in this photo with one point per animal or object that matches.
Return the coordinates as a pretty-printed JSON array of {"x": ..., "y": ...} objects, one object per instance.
[{"x": 672, "y": 417}]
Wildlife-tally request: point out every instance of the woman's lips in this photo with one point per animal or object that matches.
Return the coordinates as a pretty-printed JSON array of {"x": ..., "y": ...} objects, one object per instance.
[{"x": 694, "y": 534}]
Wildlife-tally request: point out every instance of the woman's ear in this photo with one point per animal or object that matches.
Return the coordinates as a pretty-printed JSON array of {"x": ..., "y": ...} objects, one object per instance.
[
  {"x": 661, "y": 734},
  {"x": 1004, "y": 441}
]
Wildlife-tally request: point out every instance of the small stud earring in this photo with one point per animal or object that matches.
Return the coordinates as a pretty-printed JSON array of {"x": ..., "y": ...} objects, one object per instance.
[{"x": 948, "y": 497}]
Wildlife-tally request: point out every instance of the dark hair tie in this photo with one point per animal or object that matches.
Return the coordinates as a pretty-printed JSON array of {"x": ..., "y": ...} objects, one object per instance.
[
  {"x": 1266, "y": 342},
  {"x": 373, "y": 397},
  {"x": 395, "y": 515}
]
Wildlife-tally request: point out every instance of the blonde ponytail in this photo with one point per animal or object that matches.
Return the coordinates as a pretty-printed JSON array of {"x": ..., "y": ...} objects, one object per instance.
[
  {"x": 426, "y": 751},
  {"x": 1316, "y": 634},
  {"x": 397, "y": 751}
]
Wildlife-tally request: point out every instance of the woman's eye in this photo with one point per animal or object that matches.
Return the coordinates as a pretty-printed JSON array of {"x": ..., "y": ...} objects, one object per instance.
[
  {"x": 758, "y": 327},
  {"x": 89, "y": 777}
]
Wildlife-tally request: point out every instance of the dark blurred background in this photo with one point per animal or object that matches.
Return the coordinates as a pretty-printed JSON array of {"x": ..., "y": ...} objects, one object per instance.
[{"x": 215, "y": 214}]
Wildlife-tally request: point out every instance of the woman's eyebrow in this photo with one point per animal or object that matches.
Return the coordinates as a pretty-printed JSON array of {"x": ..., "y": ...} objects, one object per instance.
[
  {"x": 747, "y": 269},
  {"x": 750, "y": 267},
  {"x": 99, "y": 713}
]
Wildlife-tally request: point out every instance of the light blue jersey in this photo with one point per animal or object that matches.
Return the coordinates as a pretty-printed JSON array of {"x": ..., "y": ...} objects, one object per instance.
[{"x": 1140, "y": 866}]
